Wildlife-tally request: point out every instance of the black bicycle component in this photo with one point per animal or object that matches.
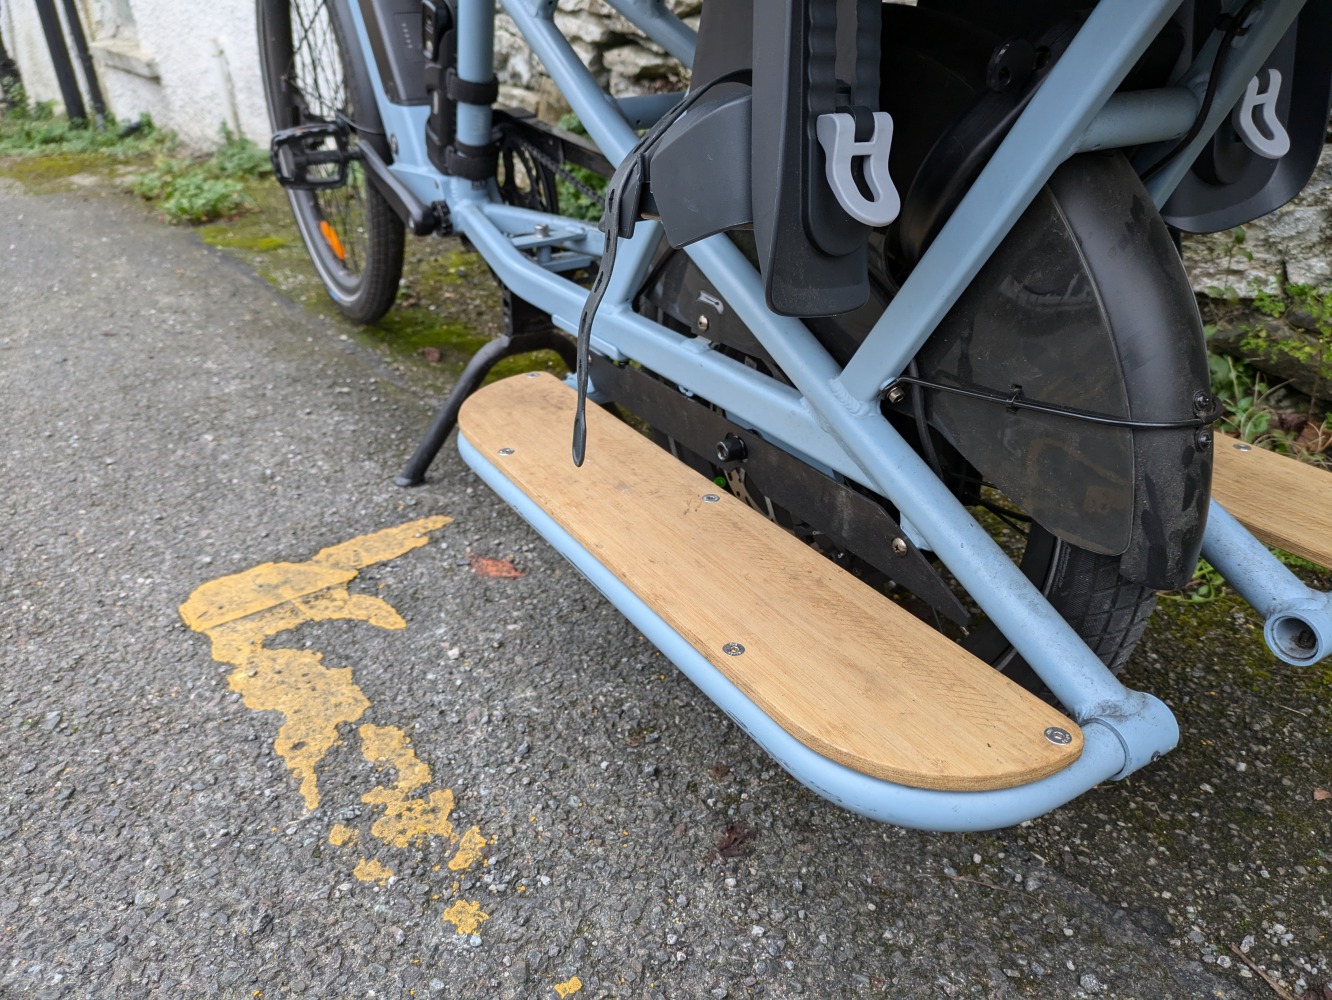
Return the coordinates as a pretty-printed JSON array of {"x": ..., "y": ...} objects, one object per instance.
[
  {"x": 1095, "y": 318},
  {"x": 850, "y": 520},
  {"x": 393, "y": 27},
  {"x": 526, "y": 329},
  {"x": 811, "y": 58},
  {"x": 1015, "y": 399},
  {"x": 420, "y": 218},
  {"x": 1238, "y": 177},
  {"x": 437, "y": 20},
  {"x": 302, "y": 160}
]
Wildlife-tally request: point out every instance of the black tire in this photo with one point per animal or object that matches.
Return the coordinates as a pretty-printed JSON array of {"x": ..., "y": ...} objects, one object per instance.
[{"x": 313, "y": 75}]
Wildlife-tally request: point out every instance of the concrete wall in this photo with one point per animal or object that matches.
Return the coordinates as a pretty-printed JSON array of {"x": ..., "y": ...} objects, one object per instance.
[
  {"x": 193, "y": 64},
  {"x": 190, "y": 64}
]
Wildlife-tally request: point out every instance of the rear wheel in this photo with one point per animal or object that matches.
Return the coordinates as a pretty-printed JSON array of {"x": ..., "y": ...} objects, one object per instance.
[{"x": 313, "y": 75}]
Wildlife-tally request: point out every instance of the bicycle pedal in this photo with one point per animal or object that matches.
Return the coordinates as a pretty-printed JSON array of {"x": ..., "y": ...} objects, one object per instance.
[{"x": 302, "y": 160}]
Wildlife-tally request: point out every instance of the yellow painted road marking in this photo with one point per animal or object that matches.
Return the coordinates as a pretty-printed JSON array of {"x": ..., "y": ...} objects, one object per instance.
[
  {"x": 569, "y": 988},
  {"x": 465, "y": 916},
  {"x": 239, "y": 613},
  {"x": 370, "y": 870}
]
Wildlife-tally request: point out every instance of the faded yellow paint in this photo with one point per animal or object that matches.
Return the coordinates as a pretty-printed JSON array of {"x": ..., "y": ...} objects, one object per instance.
[
  {"x": 370, "y": 870},
  {"x": 242, "y": 611},
  {"x": 469, "y": 850},
  {"x": 569, "y": 987},
  {"x": 389, "y": 746},
  {"x": 466, "y": 916}
]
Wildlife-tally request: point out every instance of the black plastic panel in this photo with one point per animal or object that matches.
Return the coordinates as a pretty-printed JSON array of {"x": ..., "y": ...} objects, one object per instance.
[
  {"x": 1229, "y": 184},
  {"x": 394, "y": 27},
  {"x": 1085, "y": 305}
]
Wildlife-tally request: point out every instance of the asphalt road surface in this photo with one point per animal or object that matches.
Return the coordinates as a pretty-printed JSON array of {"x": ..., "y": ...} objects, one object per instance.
[{"x": 272, "y": 727}]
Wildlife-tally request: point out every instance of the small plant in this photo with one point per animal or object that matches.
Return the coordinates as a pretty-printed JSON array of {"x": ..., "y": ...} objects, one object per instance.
[
  {"x": 574, "y": 202},
  {"x": 1206, "y": 586},
  {"x": 1247, "y": 409},
  {"x": 195, "y": 191},
  {"x": 1313, "y": 351}
]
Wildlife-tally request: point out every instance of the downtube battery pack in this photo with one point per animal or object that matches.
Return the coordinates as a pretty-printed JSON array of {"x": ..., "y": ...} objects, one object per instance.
[{"x": 446, "y": 90}]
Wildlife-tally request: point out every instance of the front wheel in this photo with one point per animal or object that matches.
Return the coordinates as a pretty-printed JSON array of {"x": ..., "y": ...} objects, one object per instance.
[{"x": 313, "y": 74}]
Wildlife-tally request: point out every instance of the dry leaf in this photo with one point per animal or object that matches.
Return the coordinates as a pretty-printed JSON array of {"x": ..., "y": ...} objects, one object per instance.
[
  {"x": 498, "y": 569},
  {"x": 1322, "y": 795},
  {"x": 734, "y": 841},
  {"x": 431, "y": 354},
  {"x": 718, "y": 771}
]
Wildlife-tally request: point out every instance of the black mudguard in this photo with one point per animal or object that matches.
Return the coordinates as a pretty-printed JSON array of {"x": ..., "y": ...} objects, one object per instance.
[{"x": 1086, "y": 306}]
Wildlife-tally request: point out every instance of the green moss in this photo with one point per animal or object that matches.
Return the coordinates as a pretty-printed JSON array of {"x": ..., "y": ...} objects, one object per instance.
[
  {"x": 232, "y": 241},
  {"x": 55, "y": 173}
]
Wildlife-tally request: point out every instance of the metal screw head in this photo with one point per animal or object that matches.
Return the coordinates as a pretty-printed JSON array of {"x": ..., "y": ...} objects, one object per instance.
[
  {"x": 1243, "y": 447},
  {"x": 533, "y": 374},
  {"x": 733, "y": 649},
  {"x": 506, "y": 451},
  {"x": 393, "y": 144},
  {"x": 702, "y": 324},
  {"x": 1203, "y": 438},
  {"x": 1059, "y": 737},
  {"x": 896, "y": 394},
  {"x": 710, "y": 498},
  {"x": 900, "y": 546},
  {"x": 541, "y": 229}
]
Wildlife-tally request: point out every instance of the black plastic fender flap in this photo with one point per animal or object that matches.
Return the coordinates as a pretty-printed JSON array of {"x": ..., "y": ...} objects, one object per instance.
[{"x": 1086, "y": 306}]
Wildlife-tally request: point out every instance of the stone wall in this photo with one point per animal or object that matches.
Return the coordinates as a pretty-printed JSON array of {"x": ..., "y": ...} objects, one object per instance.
[
  {"x": 1292, "y": 245},
  {"x": 614, "y": 50}
]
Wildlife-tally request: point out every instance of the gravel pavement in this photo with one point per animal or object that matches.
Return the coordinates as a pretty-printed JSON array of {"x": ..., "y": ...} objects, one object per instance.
[{"x": 429, "y": 781}]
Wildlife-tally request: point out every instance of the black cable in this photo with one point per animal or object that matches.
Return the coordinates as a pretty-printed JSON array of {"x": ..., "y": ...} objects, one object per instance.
[{"x": 1234, "y": 27}]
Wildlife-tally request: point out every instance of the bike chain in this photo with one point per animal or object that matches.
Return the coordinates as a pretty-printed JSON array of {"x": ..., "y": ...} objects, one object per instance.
[{"x": 558, "y": 169}]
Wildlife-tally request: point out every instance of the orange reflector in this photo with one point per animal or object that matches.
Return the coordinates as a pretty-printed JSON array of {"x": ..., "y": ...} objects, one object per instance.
[{"x": 331, "y": 238}]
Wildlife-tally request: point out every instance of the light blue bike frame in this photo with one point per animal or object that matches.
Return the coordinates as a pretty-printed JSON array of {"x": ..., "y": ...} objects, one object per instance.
[{"x": 832, "y": 415}]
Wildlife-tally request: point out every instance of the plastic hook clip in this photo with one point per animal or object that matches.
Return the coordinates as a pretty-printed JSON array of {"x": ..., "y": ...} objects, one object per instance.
[
  {"x": 1256, "y": 118},
  {"x": 837, "y": 135}
]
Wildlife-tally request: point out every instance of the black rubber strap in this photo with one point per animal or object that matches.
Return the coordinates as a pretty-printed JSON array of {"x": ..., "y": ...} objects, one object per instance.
[
  {"x": 468, "y": 91},
  {"x": 473, "y": 163}
]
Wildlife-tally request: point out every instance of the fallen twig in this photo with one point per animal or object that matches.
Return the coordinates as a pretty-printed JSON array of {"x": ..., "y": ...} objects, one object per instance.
[{"x": 1277, "y": 988}]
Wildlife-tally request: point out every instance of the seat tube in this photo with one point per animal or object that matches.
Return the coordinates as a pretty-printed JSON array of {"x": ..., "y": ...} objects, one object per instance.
[{"x": 476, "y": 64}]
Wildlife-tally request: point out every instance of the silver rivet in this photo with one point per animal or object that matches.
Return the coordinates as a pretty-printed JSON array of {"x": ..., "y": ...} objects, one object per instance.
[
  {"x": 710, "y": 498},
  {"x": 703, "y": 324},
  {"x": 1244, "y": 447},
  {"x": 393, "y": 144},
  {"x": 506, "y": 451},
  {"x": 900, "y": 546},
  {"x": 1059, "y": 737},
  {"x": 896, "y": 394},
  {"x": 541, "y": 229},
  {"x": 733, "y": 649}
]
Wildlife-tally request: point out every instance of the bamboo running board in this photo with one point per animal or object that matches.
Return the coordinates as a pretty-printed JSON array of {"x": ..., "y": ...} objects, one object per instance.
[
  {"x": 840, "y": 667},
  {"x": 1284, "y": 502}
]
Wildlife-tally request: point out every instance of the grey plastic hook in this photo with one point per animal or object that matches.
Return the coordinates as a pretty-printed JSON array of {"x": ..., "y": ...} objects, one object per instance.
[
  {"x": 1256, "y": 117},
  {"x": 837, "y": 136}
]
